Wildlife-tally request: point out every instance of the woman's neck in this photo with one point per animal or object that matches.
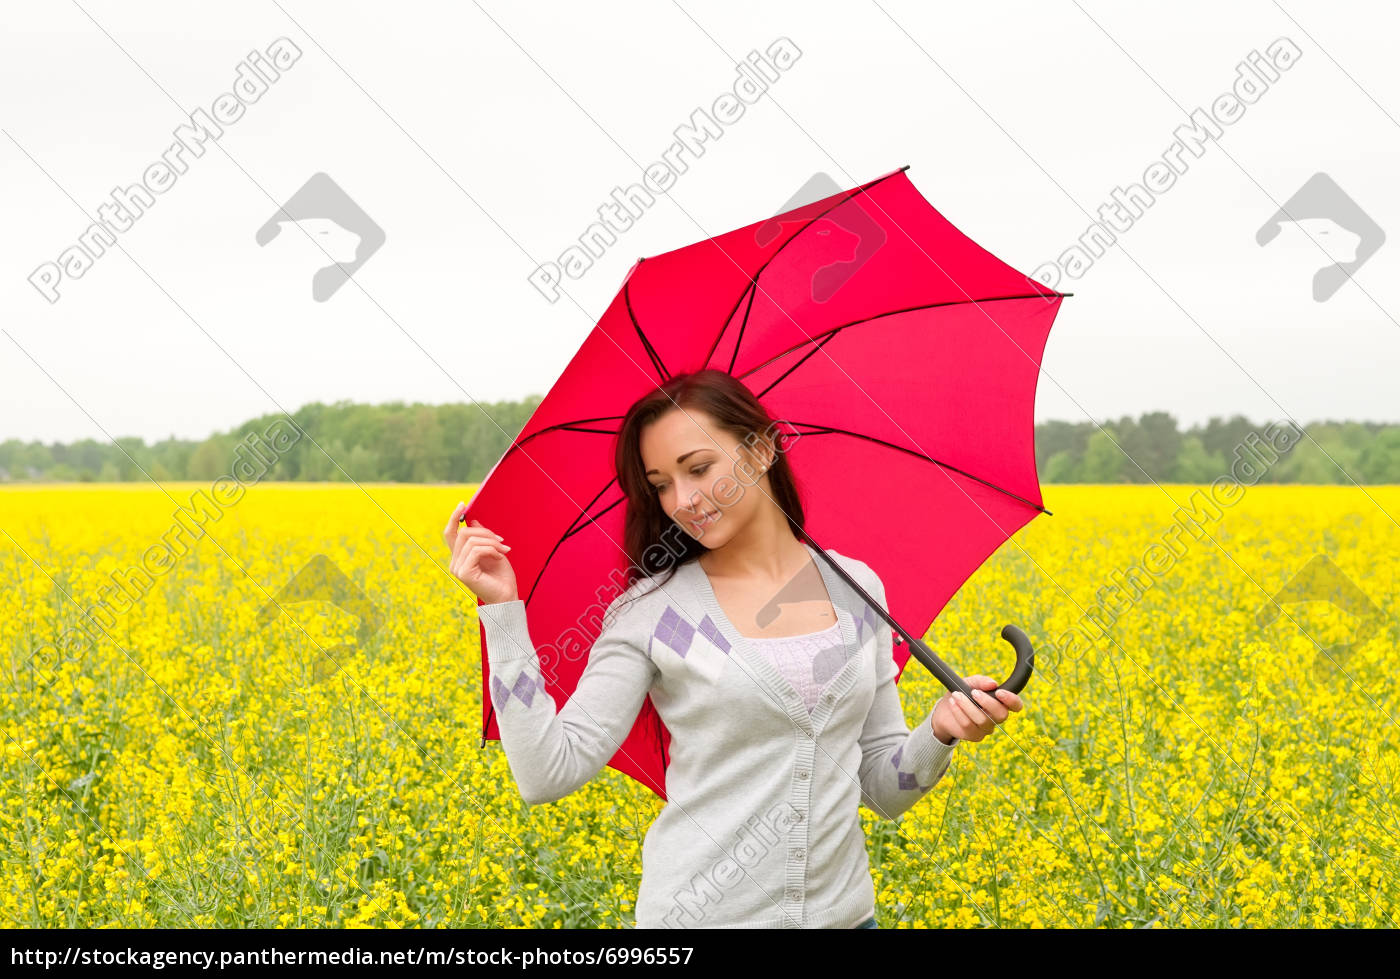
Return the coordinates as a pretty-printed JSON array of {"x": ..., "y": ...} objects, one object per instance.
[{"x": 767, "y": 549}]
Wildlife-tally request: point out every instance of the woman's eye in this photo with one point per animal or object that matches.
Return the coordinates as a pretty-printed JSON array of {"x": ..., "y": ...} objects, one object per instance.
[{"x": 699, "y": 471}]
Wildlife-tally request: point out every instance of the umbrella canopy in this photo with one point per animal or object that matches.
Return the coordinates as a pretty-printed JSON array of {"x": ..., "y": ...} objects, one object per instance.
[{"x": 886, "y": 343}]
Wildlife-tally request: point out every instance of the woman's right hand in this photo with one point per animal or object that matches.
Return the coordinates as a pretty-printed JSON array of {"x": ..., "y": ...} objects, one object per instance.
[{"x": 479, "y": 559}]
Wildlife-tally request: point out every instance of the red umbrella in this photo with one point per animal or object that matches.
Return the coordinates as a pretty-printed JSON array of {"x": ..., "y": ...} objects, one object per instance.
[{"x": 882, "y": 339}]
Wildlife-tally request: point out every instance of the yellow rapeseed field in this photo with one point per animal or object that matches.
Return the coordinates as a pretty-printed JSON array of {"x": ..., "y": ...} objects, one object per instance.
[{"x": 1182, "y": 760}]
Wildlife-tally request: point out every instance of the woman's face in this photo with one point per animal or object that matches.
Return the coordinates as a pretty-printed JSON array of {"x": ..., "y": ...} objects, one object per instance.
[{"x": 703, "y": 477}]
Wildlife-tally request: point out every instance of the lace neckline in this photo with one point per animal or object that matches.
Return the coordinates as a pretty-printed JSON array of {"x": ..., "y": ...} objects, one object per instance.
[{"x": 806, "y": 635}]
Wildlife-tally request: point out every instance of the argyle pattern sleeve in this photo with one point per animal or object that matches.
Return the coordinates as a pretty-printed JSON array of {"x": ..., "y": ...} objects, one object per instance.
[{"x": 552, "y": 753}]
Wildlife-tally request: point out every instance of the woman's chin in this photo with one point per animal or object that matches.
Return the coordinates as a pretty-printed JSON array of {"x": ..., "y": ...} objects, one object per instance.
[{"x": 707, "y": 536}]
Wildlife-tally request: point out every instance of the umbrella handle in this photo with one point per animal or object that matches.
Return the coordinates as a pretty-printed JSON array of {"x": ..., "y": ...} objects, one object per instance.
[
  {"x": 1020, "y": 676},
  {"x": 918, "y": 649},
  {"x": 1025, "y": 659}
]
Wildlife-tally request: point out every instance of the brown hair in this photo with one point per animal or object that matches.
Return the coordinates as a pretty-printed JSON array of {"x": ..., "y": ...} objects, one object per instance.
[{"x": 653, "y": 541}]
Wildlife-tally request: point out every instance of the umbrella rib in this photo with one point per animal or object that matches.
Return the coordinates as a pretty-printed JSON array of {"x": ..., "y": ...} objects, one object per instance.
[
  {"x": 752, "y": 290},
  {"x": 830, "y": 430},
  {"x": 752, "y": 287},
  {"x": 828, "y": 334},
  {"x": 646, "y": 342},
  {"x": 574, "y": 528},
  {"x": 572, "y": 426}
]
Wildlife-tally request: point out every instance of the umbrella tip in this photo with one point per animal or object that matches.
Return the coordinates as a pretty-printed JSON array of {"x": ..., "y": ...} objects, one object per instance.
[{"x": 905, "y": 167}]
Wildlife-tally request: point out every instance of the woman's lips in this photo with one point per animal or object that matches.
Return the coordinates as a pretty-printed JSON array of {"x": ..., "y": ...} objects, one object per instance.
[{"x": 706, "y": 519}]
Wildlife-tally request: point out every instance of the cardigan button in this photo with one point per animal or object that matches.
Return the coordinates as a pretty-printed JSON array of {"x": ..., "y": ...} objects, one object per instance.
[
  {"x": 799, "y": 853},
  {"x": 792, "y": 893},
  {"x": 803, "y": 773},
  {"x": 797, "y": 818}
]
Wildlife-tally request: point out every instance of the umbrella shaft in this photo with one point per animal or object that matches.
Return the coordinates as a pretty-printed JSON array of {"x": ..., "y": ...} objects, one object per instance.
[{"x": 917, "y": 647}]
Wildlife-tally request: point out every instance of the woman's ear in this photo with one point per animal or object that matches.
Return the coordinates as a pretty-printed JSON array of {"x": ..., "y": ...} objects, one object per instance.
[
  {"x": 770, "y": 456},
  {"x": 763, "y": 456}
]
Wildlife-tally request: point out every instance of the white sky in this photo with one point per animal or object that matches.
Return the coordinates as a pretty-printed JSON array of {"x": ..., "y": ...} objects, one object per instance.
[{"x": 1016, "y": 119}]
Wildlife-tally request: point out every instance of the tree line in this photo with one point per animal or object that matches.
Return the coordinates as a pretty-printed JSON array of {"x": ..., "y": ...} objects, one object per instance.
[{"x": 458, "y": 443}]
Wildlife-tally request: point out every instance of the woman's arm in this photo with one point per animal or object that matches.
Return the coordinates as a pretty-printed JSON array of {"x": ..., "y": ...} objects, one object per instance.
[
  {"x": 552, "y": 754},
  {"x": 898, "y": 767}
]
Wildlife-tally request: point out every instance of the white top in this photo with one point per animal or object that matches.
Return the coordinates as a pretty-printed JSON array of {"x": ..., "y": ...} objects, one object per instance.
[
  {"x": 808, "y": 661},
  {"x": 761, "y": 827}
]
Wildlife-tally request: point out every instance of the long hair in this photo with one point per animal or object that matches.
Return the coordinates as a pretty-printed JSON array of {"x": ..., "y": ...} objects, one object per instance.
[{"x": 653, "y": 541}]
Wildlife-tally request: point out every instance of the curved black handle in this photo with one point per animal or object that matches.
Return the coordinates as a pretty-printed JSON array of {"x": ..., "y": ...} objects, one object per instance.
[
  {"x": 1025, "y": 658},
  {"x": 950, "y": 678}
]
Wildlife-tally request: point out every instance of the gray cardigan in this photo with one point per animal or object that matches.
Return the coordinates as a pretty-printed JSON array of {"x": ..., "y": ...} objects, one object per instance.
[{"x": 760, "y": 828}]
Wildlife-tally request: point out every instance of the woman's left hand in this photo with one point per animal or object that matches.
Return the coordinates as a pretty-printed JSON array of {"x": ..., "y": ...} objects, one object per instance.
[{"x": 954, "y": 716}]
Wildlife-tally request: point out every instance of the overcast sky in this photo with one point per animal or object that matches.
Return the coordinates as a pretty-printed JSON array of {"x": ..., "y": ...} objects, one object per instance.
[{"x": 482, "y": 138}]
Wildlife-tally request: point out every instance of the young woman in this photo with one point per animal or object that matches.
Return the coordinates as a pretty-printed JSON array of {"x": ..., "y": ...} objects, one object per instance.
[{"x": 775, "y": 681}]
